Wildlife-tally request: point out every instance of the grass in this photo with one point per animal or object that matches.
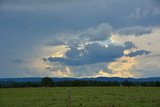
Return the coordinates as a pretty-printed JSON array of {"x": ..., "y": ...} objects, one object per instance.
[{"x": 81, "y": 97}]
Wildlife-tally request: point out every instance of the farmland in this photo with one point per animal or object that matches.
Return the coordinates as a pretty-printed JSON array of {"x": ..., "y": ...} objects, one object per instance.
[{"x": 80, "y": 97}]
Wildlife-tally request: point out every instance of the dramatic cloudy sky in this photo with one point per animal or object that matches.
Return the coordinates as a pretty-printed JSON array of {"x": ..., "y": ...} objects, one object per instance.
[{"x": 79, "y": 38}]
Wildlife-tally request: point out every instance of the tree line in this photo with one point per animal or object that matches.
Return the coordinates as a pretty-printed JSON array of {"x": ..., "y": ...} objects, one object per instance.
[{"x": 48, "y": 82}]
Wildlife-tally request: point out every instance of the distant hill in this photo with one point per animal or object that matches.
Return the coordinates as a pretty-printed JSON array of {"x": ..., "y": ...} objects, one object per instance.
[{"x": 105, "y": 79}]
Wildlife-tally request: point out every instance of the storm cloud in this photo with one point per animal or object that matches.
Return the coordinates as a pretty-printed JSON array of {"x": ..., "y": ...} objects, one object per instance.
[
  {"x": 138, "y": 53},
  {"x": 99, "y": 33},
  {"x": 134, "y": 30},
  {"x": 92, "y": 53},
  {"x": 74, "y": 36}
]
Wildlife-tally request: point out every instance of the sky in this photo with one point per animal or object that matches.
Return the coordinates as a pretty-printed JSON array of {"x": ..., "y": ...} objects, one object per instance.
[{"x": 79, "y": 38}]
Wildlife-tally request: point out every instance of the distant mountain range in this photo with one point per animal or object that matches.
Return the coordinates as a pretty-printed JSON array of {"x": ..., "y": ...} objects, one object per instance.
[{"x": 105, "y": 79}]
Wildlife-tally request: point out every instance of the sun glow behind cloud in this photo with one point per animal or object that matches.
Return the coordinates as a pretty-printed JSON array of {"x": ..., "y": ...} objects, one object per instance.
[
  {"x": 65, "y": 73},
  {"x": 120, "y": 68},
  {"x": 146, "y": 65},
  {"x": 55, "y": 51},
  {"x": 124, "y": 66}
]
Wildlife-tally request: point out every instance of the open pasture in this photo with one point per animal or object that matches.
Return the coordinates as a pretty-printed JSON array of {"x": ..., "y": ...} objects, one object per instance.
[{"x": 80, "y": 97}]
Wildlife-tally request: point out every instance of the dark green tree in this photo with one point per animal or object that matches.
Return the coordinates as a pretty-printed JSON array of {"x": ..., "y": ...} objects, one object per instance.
[
  {"x": 47, "y": 82},
  {"x": 127, "y": 83}
]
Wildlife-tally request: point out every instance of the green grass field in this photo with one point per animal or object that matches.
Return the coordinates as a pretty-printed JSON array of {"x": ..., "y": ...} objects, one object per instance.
[{"x": 81, "y": 97}]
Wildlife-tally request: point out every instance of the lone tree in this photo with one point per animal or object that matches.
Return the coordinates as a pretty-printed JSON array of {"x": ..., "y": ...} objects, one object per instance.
[{"x": 47, "y": 82}]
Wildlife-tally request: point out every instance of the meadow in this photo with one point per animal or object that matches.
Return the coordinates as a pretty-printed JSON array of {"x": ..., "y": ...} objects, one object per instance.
[{"x": 80, "y": 97}]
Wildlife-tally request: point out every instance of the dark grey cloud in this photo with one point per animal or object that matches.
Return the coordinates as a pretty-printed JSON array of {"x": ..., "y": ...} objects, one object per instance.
[
  {"x": 148, "y": 11},
  {"x": 99, "y": 33},
  {"x": 134, "y": 30},
  {"x": 138, "y": 53},
  {"x": 75, "y": 14},
  {"x": 129, "y": 45},
  {"x": 92, "y": 53}
]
